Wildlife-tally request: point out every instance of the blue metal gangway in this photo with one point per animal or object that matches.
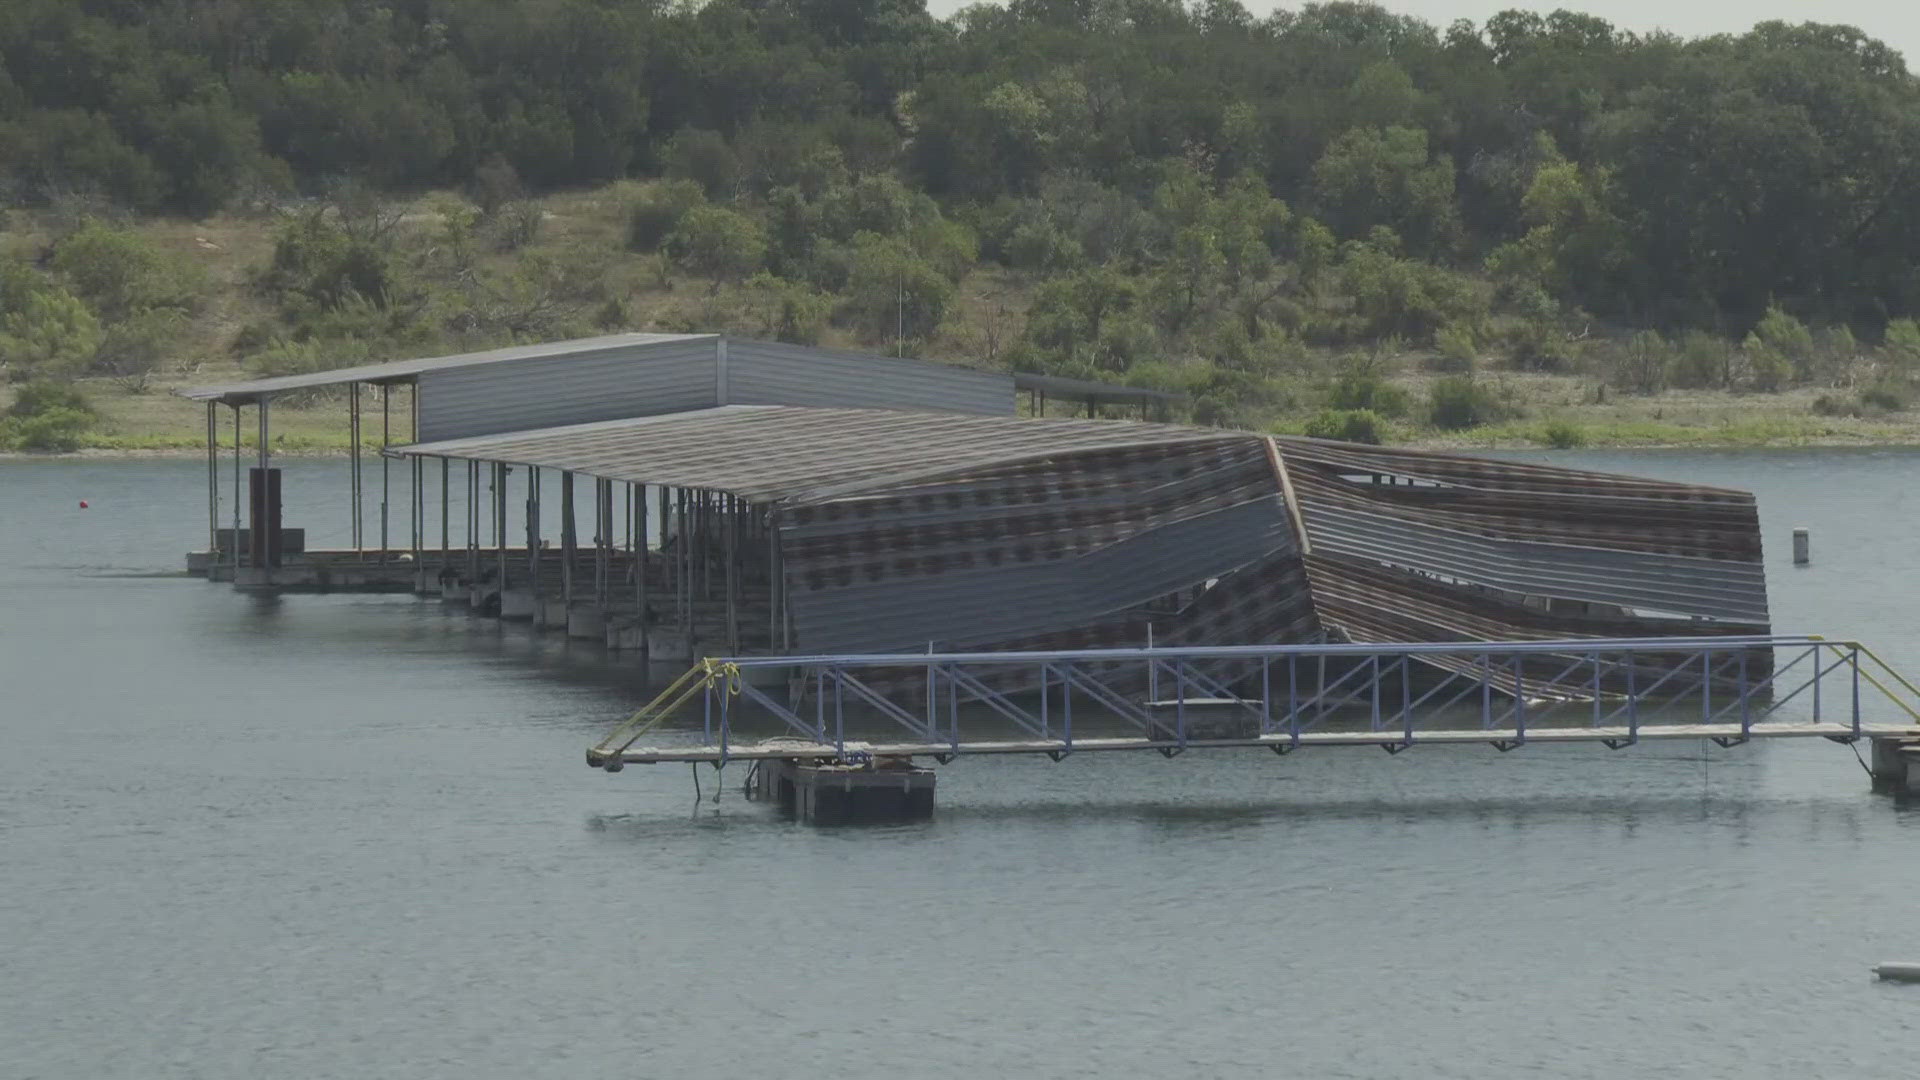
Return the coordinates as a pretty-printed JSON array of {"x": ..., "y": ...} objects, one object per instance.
[{"x": 1615, "y": 692}]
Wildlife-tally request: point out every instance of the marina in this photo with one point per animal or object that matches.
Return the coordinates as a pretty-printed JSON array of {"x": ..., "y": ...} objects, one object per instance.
[{"x": 869, "y": 541}]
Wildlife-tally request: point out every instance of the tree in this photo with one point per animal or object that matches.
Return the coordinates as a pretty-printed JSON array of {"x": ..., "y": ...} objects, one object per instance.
[
  {"x": 1779, "y": 348},
  {"x": 46, "y": 415},
  {"x": 1384, "y": 176},
  {"x": 45, "y": 331},
  {"x": 120, "y": 273},
  {"x": 718, "y": 243},
  {"x": 892, "y": 294}
]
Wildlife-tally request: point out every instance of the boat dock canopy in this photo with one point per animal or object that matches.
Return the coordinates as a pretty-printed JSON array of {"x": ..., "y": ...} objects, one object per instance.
[
  {"x": 627, "y": 375},
  {"x": 408, "y": 371},
  {"x": 771, "y": 452}
]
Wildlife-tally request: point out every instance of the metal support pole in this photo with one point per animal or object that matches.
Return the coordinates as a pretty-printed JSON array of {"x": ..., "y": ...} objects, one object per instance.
[
  {"x": 353, "y": 457},
  {"x": 1746, "y": 700},
  {"x": 640, "y": 568},
  {"x": 533, "y": 537},
  {"x": 236, "y": 490},
  {"x": 419, "y": 523},
  {"x": 500, "y": 525},
  {"x": 1817, "y": 672},
  {"x": 732, "y": 581},
  {"x": 386, "y": 472},
  {"x": 569, "y": 541},
  {"x": 1375, "y": 661},
  {"x": 685, "y": 541},
  {"x": 1706, "y": 686},
  {"x": 1519, "y": 699},
  {"x": 446, "y": 549},
  {"x": 473, "y": 522},
  {"x": 417, "y": 511},
  {"x": 1633, "y": 701},
  {"x": 213, "y": 483},
  {"x": 1853, "y": 659},
  {"x": 602, "y": 540},
  {"x": 775, "y": 590}
]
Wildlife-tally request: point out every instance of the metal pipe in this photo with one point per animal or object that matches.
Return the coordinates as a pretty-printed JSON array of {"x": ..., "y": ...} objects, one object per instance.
[
  {"x": 569, "y": 542},
  {"x": 732, "y": 576},
  {"x": 446, "y": 549},
  {"x": 533, "y": 536},
  {"x": 640, "y": 568},
  {"x": 419, "y": 522},
  {"x": 386, "y": 473},
  {"x": 775, "y": 590},
  {"x": 353, "y": 456},
  {"x": 686, "y": 570},
  {"x": 262, "y": 541},
  {"x": 213, "y": 484},
  {"x": 500, "y": 525},
  {"x": 236, "y": 491},
  {"x": 473, "y": 522},
  {"x": 417, "y": 510},
  {"x": 602, "y": 540}
]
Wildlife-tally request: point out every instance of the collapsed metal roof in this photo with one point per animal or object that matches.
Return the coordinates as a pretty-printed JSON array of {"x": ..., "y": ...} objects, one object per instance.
[
  {"x": 771, "y": 452},
  {"x": 900, "y": 528}
]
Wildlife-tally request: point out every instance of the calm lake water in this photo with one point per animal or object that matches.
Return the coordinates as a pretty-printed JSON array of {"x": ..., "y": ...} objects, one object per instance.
[{"x": 353, "y": 837}]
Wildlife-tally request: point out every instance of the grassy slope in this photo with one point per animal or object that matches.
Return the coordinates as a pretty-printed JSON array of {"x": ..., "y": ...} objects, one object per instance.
[{"x": 984, "y": 319}]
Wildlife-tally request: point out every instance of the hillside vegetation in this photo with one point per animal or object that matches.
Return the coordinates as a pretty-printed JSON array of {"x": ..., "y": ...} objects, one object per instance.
[{"x": 1333, "y": 220}]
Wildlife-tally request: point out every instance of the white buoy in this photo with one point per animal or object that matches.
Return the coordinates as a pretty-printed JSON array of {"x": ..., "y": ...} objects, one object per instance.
[
  {"x": 1899, "y": 972},
  {"x": 1802, "y": 547}
]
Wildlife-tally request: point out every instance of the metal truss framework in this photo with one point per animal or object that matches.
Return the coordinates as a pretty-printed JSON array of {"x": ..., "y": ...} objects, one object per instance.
[{"x": 1287, "y": 696}]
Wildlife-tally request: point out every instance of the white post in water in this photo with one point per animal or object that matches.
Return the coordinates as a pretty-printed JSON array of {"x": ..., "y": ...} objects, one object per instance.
[{"x": 1802, "y": 547}]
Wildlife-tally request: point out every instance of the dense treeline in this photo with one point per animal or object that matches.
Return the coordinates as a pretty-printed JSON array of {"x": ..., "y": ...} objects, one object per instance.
[{"x": 1195, "y": 196}]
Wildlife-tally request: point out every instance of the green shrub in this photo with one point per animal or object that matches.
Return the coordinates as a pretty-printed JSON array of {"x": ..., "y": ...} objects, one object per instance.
[
  {"x": 1458, "y": 347},
  {"x": 57, "y": 430},
  {"x": 655, "y": 214},
  {"x": 1563, "y": 435},
  {"x": 1887, "y": 395},
  {"x": 1780, "y": 348},
  {"x": 1644, "y": 364},
  {"x": 1458, "y": 402},
  {"x": 43, "y": 396},
  {"x": 1900, "y": 350},
  {"x": 44, "y": 329},
  {"x": 1702, "y": 361},
  {"x": 1348, "y": 425},
  {"x": 1829, "y": 405},
  {"x": 119, "y": 272},
  {"x": 46, "y": 415},
  {"x": 1362, "y": 392},
  {"x": 717, "y": 243}
]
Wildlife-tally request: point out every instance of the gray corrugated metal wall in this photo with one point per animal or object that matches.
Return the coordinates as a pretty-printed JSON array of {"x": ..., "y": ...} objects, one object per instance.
[
  {"x": 763, "y": 373},
  {"x": 520, "y": 395},
  {"x": 645, "y": 380},
  {"x": 971, "y": 606}
]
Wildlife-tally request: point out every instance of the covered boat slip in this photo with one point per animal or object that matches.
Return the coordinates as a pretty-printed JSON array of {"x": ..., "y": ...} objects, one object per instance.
[
  {"x": 692, "y": 495},
  {"x": 474, "y": 530}
]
